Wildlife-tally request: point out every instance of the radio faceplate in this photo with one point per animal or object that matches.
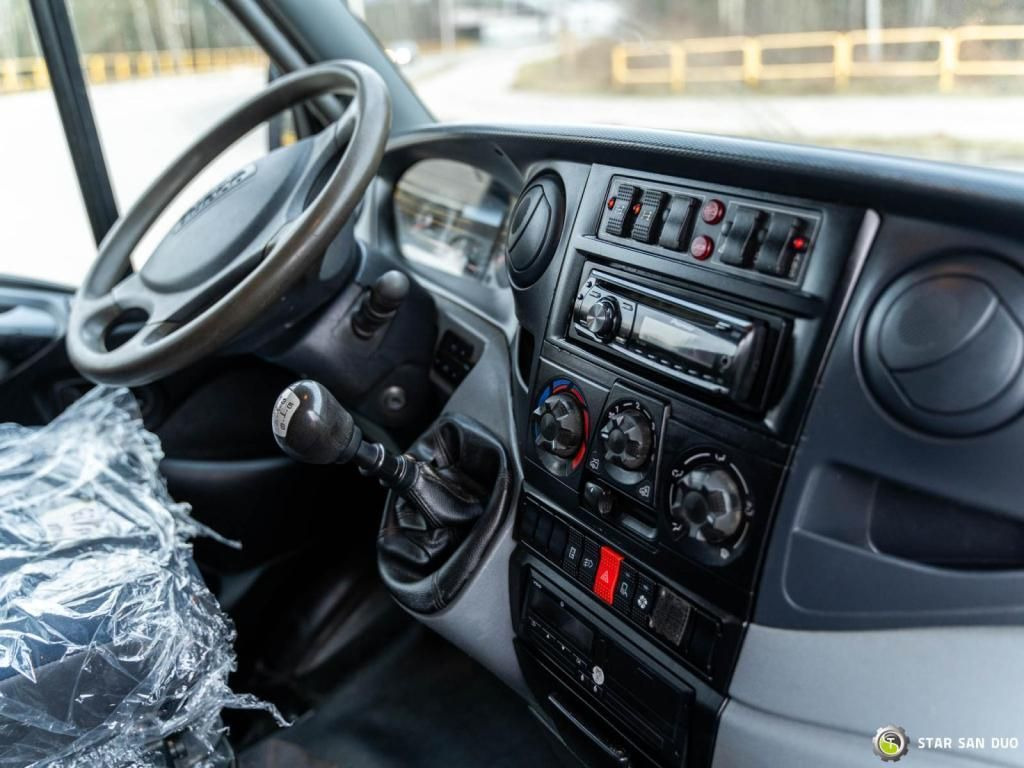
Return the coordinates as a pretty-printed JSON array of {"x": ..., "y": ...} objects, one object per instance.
[{"x": 716, "y": 351}]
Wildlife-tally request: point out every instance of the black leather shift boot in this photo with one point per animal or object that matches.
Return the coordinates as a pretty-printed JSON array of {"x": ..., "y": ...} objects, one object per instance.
[{"x": 434, "y": 534}]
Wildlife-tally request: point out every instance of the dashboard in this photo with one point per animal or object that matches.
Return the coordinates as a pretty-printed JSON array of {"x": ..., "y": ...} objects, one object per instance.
[{"x": 757, "y": 394}]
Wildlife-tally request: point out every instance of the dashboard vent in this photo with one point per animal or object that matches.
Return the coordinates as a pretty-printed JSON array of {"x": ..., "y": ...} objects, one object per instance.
[
  {"x": 944, "y": 346},
  {"x": 533, "y": 234}
]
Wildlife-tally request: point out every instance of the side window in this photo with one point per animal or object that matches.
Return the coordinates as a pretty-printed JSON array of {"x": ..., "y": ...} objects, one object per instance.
[
  {"x": 44, "y": 230},
  {"x": 159, "y": 74}
]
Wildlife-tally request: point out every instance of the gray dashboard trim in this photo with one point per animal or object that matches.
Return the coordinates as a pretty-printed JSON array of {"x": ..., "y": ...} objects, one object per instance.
[
  {"x": 804, "y": 697},
  {"x": 749, "y": 738},
  {"x": 479, "y": 620}
]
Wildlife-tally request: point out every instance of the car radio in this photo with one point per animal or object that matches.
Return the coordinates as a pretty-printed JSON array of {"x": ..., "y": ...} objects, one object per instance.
[{"x": 717, "y": 351}]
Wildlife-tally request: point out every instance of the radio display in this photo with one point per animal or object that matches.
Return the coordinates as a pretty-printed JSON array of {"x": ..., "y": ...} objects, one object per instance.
[{"x": 679, "y": 338}]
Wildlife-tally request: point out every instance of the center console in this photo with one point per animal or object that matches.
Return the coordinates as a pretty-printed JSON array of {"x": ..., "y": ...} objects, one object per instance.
[{"x": 663, "y": 397}]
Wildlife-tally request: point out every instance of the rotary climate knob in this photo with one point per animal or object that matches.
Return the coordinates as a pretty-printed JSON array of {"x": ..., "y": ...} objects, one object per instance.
[
  {"x": 602, "y": 318},
  {"x": 628, "y": 438},
  {"x": 709, "y": 499},
  {"x": 560, "y": 428}
]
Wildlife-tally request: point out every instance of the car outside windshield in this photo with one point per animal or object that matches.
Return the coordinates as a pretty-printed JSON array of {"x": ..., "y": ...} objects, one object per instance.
[{"x": 925, "y": 78}]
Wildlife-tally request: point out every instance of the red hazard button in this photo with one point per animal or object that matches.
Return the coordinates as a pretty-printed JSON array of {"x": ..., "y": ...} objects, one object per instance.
[{"x": 607, "y": 574}]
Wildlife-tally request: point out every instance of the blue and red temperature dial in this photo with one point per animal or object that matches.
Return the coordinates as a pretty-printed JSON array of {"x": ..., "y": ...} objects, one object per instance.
[{"x": 561, "y": 426}]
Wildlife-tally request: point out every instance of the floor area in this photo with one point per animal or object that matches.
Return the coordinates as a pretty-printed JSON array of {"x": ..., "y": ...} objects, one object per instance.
[{"x": 421, "y": 702}]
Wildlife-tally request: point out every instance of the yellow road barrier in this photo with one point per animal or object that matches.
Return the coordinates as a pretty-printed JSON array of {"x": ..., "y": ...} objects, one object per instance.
[
  {"x": 29, "y": 73},
  {"x": 938, "y": 53}
]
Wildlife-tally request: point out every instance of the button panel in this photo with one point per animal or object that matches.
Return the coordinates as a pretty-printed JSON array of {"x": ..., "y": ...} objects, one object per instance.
[
  {"x": 758, "y": 239},
  {"x": 620, "y": 586},
  {"x": 453, "y": 358}
]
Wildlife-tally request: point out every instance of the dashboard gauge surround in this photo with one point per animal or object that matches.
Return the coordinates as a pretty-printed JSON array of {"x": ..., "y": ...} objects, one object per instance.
[{"x": 452, "y": 217}]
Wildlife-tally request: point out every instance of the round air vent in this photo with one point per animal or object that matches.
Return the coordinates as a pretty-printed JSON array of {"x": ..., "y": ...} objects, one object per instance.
[
  {"x": 944, "y": 345},
  {"x": 534, "y": 230}
]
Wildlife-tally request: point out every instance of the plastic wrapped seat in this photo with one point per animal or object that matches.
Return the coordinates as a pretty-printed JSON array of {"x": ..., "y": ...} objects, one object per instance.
[{"x": 109, "y": 640}]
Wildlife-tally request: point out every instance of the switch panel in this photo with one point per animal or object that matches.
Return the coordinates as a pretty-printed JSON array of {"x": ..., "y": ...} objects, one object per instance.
[
  {"x": 618, "y": 584},
  {"x": 713, "y": 229}
]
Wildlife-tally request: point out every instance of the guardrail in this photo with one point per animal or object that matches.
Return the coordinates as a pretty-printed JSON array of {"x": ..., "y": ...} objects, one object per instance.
[
  {"x": 24, "y": 74},
  {"x": 842, "y": 57}
]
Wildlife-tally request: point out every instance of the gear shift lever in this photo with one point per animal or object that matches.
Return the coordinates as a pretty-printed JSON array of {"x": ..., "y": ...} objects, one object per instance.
[
  {"x": 451, "y": 491},
  {"x": 310, "y": 425}
]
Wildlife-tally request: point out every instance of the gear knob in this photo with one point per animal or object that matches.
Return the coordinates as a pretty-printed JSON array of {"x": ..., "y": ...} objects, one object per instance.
[{"x": 312, "y": 426}]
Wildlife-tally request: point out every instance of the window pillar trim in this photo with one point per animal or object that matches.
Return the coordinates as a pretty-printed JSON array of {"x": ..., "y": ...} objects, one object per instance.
[{"x": 57, "y": 41}]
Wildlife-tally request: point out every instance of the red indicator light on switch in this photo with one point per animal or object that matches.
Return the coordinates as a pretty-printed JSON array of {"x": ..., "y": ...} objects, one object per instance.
[
  {"x": 637, "y": 207},
  {"x": 798, "y": 243},
  {"x": 607, "y": 574},
  {"x": 611, "y": 203},
  {"x": 702, "y": 247},
  {"x": 713, "y": 211}
]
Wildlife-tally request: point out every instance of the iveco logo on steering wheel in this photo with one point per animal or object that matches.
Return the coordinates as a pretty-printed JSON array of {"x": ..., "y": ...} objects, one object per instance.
[{"x": 233, "y": 181}]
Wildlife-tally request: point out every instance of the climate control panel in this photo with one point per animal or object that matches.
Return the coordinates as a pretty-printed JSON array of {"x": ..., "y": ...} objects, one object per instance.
[{"x": 657, "y": 480}]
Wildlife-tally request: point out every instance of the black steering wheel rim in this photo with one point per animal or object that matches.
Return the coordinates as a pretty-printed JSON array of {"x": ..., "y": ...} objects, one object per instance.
[{"x": 224, "y": 304}]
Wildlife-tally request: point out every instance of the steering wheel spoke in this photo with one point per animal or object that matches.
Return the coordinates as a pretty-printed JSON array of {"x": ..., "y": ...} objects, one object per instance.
[
  {"x": 194, "y": 294},
  {"x": 322, "y": 153},
  {"x": 177, "y": 307}
]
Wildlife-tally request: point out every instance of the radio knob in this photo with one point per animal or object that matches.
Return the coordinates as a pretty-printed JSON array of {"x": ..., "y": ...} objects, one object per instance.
[
  {"x": 602, "y": 318},
  {"x": 709, "y": 499},
  {"x": 628, "y": 438},
  {"x": 560, "y": 428}
]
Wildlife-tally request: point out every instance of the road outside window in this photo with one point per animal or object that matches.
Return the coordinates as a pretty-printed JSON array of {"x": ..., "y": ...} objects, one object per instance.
[{"x": 927, "y": 78}]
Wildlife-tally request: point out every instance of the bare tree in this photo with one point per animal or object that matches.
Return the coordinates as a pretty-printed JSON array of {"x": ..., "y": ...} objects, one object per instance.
[
  {"x": 169, "y": 19},
  {"x": 143, "y": 25}
]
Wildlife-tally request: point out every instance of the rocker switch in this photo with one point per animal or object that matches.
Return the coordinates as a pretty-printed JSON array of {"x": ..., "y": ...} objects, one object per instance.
[
  {"x": 677, "y": 223},
  {"x": 738, "y": 247},
  {"x": 621, "y": 213},
  {"x": 776, "y": 254},
  {"x": 650, "y": 211}
]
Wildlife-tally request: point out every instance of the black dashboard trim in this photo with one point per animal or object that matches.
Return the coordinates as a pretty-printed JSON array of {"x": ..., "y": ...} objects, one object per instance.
[{"x": 953, "y": 193}]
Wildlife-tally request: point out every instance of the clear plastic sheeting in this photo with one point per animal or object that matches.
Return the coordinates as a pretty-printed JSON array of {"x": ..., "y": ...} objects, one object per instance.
[{"x": 109, "y": 640}]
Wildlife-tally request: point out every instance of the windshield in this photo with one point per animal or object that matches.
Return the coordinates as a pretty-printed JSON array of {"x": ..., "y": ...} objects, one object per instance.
[{"x": 926, "y": 78}]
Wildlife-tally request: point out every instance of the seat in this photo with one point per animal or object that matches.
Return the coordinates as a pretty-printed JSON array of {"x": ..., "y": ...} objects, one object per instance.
[{"x": 110, "y": 642}]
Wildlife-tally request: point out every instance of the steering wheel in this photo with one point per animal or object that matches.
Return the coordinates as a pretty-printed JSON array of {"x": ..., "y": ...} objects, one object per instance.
[{"x": 237, "y": 252}]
